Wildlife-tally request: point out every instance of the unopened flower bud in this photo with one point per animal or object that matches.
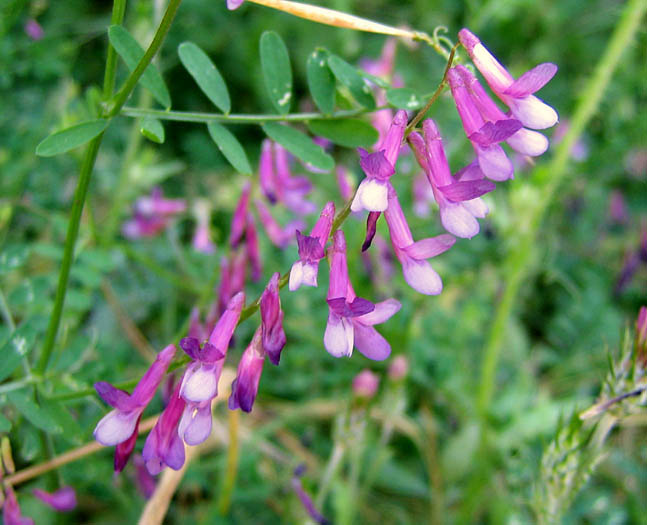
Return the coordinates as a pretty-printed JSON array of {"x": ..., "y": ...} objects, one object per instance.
[
  {"x": 365, "y": 384},
  {"x": 398, "y": 368}
]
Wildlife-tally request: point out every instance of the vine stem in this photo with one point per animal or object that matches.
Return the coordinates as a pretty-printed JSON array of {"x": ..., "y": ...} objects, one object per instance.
[
  {"x": 546, "y": 181},
  {"x": 81, "y": 191},
  {"x": 118, "y": 12}
]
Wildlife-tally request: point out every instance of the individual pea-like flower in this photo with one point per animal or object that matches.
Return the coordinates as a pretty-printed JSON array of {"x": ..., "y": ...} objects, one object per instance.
[
  {"x": 279, "y": 236},
  {"x": 291, "y": 190},
  {"x": 524, "y": 141},
  {"x": 202, "y": 236},
  {"x": 164, "y": 446},
  {"x": 413, "y": 256},
  {"x": 119, "y": 427},
  {"x": 459, "y": 201},
  {"x": 311, "y": 250},
  {"x": 200, "y": 382},
  {"x": 516, "y": 94},
  {"x": 252, "y": 248},
  {"x": 484, "y": 136},
  {"x": 365, "y": 384},
  {"x": 234, "y": 4},
  {"x": 61, "y": 500},
  {"x": 239, "y": 219},
  {"x": 273, "y": 335},
  {"x": 245, "y": 386},
  {"x": 351, "y": 318},
  {"x": 152, "y": 215},
  {"x": 372, "y": 192}
]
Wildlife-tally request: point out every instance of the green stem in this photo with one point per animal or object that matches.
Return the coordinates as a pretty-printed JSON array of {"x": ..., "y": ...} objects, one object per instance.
[
  {"x": 124, "y": 92},
  {"x": 68, "y": 253},
  {"x": 232, "y": 464},
  {"x": 192, "y": 116},
  {"x": 84, "y": 181},
  {"x": 547, "y": 181},
  {"x": 118, "y": 12}
]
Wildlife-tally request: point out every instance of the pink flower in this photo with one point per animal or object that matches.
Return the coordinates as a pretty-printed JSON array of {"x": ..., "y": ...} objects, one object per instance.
[
  {"x": 516, "y": 94},
  {"x": 202, "y": 236},
  {"x": 11, "y": 513},
  {"x": 245, "y": 386},
  {"x": 62, "y": 500},
  {"x": 365, "y": 384},
  {"x": 273, "y": 335}
]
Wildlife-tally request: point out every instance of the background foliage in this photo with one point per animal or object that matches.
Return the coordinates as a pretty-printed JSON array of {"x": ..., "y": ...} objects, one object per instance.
[{"x": 569, "y": 316}]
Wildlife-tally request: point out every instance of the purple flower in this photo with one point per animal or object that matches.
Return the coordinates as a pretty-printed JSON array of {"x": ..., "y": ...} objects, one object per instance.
[
  {"x": 279, "y": 235},
  {"x": 524, "y": 141},
  {"x": 245, "y": 386},
  {"x": 398, "y": 368},
  {"x": 34, "y": 30},
  {"x": 152, "y": 214},
  {"x": 239, "y": 220},
  {"x": 351, "y": 318},
  {"x": 11, "y": 514},
  {"x": 483, "y": 135},
  {"x": 459, "y": 201},
  {"x": 344, "y": 182},
  {"x": 365, "y": 384},
  {"x": 202, "y": 237},
  {"x": 164, "y": 446},
  {"x": 273, "y": 335},
  {"x": 62, "y": 500},
  {"x": 234, "y": 4},
  {"x": 200, "y": 382},
  {"x": 143, "y": 479},
  {"x": 305, "y": 499},
  {"x": 290, "y": 189},
  {"x": 266, "y": 171},
  {"x": 413, "y": 256},
  {"x": 119, "y": 427},
  {"x": 516, "y": 94},
  {"x": 423, "y": 196},
  {"x": 252, "y": 249},
  {"x": 372, "y": 192},
  {"x": 311, "y": 250}
]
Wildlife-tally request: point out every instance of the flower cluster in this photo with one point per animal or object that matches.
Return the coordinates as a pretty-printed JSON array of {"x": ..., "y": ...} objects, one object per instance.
[{"x": 187, "y": 418}]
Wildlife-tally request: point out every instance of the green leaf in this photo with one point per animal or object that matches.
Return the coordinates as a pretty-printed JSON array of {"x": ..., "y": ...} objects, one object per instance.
[
  {"x": 70, "y": 138},
  {"x": 275, "y": 63},
  {"x": 5, "y": 424},
  {"x": 61, "y": 416},
  {"x": 16, "y": 347},
  {"x": 206, "y": 75},
  {"x": 37, "y": 416},
  {"x": 230, "y": 147},
  {"x": 152, "y": 129},
  {"x": 321, "y": 81},
  {"x": 129, "y": 49},
  {"x": 403, "y": 98},
  {"x": 351, "y": 133},
  {"x": 299, "y": 145},
  {"x": 353, "y": 80},
  {"x": 12, "y": 257}
]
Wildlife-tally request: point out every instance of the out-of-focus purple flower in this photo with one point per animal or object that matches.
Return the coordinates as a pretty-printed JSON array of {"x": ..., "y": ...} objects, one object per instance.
[
  {"x": 279, "y": 235},
  {"x": 291, "y": 190},
  {"x": 365, "y": 384},
  {"x": 119, "y": 427},
  {"x": 266, "y": 174},
  {"x": 234, "y": 4},
  {"x": 311, "y": 250},
  {"x": 62, "y": 500},
  {"x": 152, "y": 214},
  {"x": 200, "y": 383},
  {"x": 245, "y": 386},
  {"x": 305, "y": 499},
  {"x": 579, "y": 150},
  {"x": 372, "y": 192},
  {"x": 239, "y": 220},
  {"x": 252, "y": 249},
  {"x": 143, "y": 479},
  {"x": 398, "y": 368},
  {"x": 34, "y": 30},
  {"x": 272, "y": 320},
  {"x": 459, "y": 201},
  {"x": 423, "y": 195},
  {"x": 344, "y": 182},
  {"x": 484, "y": 136},
  {"x": 618, "y": 208},
  {"x": 524, "y": 141},
  {"x": 164, "y": 446},
  {"x": 351, "y": 318},
  {"x": 202, "y": 236},
  {"x": 196, "y": 328},
  {"x": 11, "y": 513},
  {"x": 413, "y": 256},
  {"x": 516, "y": 94}
]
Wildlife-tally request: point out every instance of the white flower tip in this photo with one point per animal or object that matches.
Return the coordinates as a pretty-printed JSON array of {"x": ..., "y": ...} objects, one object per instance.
[
  {"x": 339, "y": 336},
  {"x": 456, "y": 219},
  {"x": 115, "y": 427},
  {"x": 422, "y": 277}
]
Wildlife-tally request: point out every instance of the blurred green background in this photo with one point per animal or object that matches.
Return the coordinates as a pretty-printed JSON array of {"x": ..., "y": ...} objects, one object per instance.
[{"x": 569, "y": 316}]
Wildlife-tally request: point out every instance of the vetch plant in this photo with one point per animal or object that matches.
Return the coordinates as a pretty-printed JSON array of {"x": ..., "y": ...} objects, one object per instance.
[{"x": 356, "y": 118}]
